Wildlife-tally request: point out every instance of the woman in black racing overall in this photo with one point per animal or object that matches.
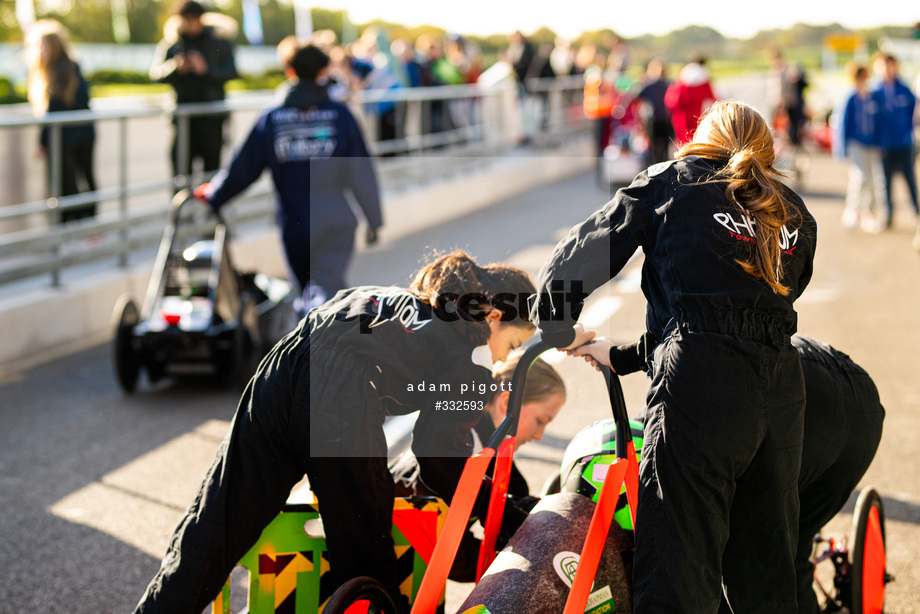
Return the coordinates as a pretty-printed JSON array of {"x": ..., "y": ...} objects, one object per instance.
[
  {"x": 316, "y": 406},
  {"x": 728, "y": 248}
]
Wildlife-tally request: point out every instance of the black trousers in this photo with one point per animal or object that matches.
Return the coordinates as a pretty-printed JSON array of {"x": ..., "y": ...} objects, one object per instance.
[
  {"x": 717, "y": 484},
  {"x": 77, "y": 175},
  {"x": 386, "y": 129},
  {"x": 326, "y": 262},
  {"x": 843, "y": 428},
  {"x": 206, "y": 139},
  {"x": 901, "y": 161},
  {"x": 265, "y": 454},
  {"x": 661, "y": 135}
]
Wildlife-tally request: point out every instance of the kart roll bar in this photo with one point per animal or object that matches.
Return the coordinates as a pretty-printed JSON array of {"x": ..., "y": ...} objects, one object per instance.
[
  {"x": 156, "y": 285},
  {"x": 501, "y": 448}
]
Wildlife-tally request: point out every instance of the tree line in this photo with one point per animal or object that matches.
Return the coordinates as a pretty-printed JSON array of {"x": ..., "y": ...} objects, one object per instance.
[{"x": 92, "y": 22}]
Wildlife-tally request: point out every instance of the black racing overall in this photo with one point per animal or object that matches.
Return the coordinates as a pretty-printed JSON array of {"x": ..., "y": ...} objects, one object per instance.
[
  {"x": 843, "y": 427},
  {"x": 316, "y": 406},
  {"x": 723, "y": 442}
]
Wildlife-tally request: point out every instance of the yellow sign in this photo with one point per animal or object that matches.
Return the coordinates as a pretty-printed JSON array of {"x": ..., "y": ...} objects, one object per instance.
[{"x": 845, "y": 42}]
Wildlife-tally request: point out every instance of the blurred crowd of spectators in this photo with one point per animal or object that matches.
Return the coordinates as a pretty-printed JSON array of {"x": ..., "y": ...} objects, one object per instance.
[{"x": 375, "y": 61}]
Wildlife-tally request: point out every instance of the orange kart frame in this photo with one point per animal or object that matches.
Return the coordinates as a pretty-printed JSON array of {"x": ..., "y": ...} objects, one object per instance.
[{"x": 625, "y": 470}]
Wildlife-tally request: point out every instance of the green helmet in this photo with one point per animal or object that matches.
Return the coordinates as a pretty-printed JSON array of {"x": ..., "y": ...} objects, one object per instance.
[{"x": 585, "y": 462}]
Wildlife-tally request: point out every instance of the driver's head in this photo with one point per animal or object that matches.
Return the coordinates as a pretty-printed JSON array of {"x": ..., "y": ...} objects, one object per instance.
[{"x": 542, "y": 398}]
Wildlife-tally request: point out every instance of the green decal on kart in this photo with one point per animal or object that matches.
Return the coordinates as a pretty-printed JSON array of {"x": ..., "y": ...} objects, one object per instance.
[
  {"x": 566, "y": 564},
  {"x": 477, "y": 609},
  {"x": 600, "y": 601}
]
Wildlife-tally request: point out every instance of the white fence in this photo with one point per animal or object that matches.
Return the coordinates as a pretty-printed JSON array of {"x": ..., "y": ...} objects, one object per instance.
[
  {"x": 250, "y": 60},
  {"x": 477, "y": 124}
]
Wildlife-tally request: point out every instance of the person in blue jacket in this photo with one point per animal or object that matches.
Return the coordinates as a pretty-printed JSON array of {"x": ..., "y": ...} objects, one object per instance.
[
  {"x": 896, "y": 105},
  {"x": 316, "y": 154}
]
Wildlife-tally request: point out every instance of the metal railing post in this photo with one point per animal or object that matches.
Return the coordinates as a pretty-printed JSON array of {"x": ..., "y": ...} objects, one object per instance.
[
  {"x": 123, "y": 189},
  {"x": 55, "y": 162},
  {"x": 183, "y": 157},
  {"x": 426, "y": 125},
  {"x": 414, "y": 129},
  {"x": 400, "y": 120}
]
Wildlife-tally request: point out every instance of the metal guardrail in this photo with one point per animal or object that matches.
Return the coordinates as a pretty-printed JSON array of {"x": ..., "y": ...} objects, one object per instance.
[{"x": 477, "y": 124}]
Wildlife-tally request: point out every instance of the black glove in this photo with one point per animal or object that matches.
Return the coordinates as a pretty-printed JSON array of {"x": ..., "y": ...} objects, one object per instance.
[
  {"x": 370, "y": 237},
  {"x": 631, "y": 358},
  {"x": 626, "y": 359}
]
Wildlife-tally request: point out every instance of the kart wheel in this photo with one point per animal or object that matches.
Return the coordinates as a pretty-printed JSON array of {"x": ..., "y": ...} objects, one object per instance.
[
  {"x": 867, "y": 556},
  {"x": 127, "y": 360},
  {"x": 552, "y": 485},
  {"x": 360, "y": 595},
  {"x": 156, "y": 370}
]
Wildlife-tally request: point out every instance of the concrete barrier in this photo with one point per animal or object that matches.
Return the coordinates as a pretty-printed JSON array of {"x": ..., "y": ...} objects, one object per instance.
[{"x": 41, "y": 324}]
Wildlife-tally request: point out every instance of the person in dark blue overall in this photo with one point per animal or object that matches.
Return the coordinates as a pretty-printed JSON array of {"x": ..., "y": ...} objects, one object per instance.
[
  {"x": 316, "y": 154},
  {"x": 728, "y": 248}
]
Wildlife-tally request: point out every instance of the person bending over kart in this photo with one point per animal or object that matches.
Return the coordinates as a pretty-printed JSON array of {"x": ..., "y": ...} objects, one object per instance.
[
  {"x": 543, "y": 398},
  {"x": 316, "y": 406},
  {"x": 843, "y": 428}
]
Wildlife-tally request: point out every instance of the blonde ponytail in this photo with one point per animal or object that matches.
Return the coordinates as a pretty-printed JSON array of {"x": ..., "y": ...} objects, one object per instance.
[{"x": 737, "y": 135}]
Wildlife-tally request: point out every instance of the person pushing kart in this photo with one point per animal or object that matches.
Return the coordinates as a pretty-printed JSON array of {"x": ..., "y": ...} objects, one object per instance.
[
  {"x": 728, "y": 248},
  {"x": 317, "y": 155}
]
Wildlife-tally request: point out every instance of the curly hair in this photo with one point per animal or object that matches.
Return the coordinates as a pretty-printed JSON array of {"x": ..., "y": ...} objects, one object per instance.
[{"x": 451, "y": 280}]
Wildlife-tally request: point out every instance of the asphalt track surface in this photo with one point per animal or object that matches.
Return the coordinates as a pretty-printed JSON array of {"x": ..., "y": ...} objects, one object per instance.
[{"x": 93, "y": 482}]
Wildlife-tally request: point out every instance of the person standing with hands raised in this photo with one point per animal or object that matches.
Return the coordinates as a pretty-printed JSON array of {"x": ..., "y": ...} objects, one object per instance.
[{"x": 196, "y": 58}]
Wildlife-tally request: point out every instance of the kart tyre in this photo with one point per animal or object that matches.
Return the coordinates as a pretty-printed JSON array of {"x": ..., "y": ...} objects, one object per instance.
[
  {"x": 126, "y": 359},
  {"x": 367, "y": 594},
  {"x": 867, "y": 555}
]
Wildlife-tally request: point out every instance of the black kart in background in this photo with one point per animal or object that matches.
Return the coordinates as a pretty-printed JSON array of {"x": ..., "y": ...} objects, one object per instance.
[{"x": 200, "y": 316}]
